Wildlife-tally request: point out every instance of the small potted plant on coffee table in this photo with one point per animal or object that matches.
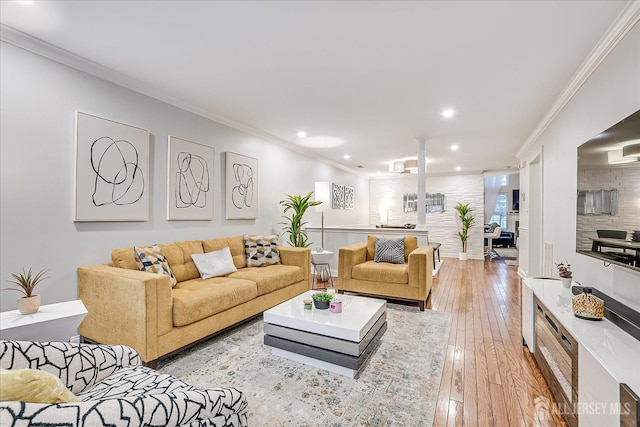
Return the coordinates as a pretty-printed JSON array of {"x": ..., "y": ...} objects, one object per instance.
[
  {"x": 564, "y": 270},
  {"x": 321, "y": 300}
]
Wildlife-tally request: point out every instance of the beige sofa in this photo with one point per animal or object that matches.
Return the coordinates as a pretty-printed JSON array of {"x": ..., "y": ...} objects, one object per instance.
[
  {"x": 142, "y": 310},
  {"x": 411, "y": 281}
]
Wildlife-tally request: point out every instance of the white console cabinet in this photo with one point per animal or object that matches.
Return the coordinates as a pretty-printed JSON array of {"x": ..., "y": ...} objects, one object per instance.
[
  {"x": 607, "y": 355},
  {"x": 598, "y": 392},
  {"x": 528, "y": 317}
]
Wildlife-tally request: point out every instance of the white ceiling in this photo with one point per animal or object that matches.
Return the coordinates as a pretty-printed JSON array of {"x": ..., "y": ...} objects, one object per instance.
[{"x": 374, "y": 74}]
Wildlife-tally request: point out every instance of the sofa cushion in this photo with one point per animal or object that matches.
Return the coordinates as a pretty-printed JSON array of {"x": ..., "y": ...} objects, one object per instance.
[
  {"x": 261, "y": 250},
  {"x": 124, "y": 258},
  {"x": 271, "y": 278},
  {"x": 235, "y": 244},
  {"x": 198, "y": 299},
  {"x": 215, "y": 263},
  {"x": 179, "y": 257},
  {"x": 390, "y": 250},
  {"x": 410, "y": 245},
  {"x": 372, "y": 271},
  {"x": 152, "y": 259}
]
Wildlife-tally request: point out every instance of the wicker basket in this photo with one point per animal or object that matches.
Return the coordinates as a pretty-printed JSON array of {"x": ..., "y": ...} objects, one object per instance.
[{"x": 588, "y": 306}]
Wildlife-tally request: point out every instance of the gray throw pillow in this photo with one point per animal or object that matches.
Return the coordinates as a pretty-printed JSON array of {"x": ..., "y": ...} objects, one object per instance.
[{"x": 389, "y": 250}]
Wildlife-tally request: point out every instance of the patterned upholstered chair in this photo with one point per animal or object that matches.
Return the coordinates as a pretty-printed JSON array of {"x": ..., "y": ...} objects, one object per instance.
[{"x": 113, "y": 388}]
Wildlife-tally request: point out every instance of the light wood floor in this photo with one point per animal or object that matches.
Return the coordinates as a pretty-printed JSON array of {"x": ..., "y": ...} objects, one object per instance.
[{"x": 489, "y": 378}]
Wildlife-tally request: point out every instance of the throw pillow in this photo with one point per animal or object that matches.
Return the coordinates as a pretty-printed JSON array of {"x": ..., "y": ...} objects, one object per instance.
[
  {"x": 214, "y": 264},
  {"x": 261, "y": 250},
  {"x": 152, "y": 259},
  {"x": 33, "y": 385},
  {"x": 390, "y": 250}
]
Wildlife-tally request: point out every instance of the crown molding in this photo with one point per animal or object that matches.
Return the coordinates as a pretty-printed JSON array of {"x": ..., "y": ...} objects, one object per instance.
[
  {"x": 39, "y": 47},
  {"x": 624, "y": 22}
]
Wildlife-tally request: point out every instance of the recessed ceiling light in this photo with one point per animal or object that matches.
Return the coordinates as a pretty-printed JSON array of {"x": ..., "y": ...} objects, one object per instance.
[
  {"x": 454, "y": 147},
  {"x": 448, "y": 113},
  {"x": 302, "y": 134},
  {"x": 320, "y": 141},
  {"x": 458, "y": 168},
  {"x": 346, "y": 156}
]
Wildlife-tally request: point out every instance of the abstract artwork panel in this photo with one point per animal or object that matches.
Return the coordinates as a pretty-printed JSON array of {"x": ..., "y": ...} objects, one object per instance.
[
  {"x": 348, "y": 198},
  {"x": 190, "y": 180},
  {"x": 111, "y": 170},
  {"x": 241, "y": 186},
  {"x": 337, "y": 196}
]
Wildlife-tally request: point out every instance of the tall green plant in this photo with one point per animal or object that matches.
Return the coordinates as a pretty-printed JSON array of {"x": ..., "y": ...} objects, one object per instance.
[
  {"x": 467, "y": 219},
  {"x": 294, "y": 225}
]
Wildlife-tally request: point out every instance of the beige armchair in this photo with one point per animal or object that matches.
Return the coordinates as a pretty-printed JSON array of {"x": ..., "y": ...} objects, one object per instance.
[{"x": 411, "y": 281}]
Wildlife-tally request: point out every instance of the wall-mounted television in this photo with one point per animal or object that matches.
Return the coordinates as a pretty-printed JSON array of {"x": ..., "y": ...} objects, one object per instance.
[
  {"x": 608, "y": 197},
  {"x": 515, "y": 205}
]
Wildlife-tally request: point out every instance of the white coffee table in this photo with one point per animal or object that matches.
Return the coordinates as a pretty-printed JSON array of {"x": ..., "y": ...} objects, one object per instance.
[{"x": 337, "y": 342}]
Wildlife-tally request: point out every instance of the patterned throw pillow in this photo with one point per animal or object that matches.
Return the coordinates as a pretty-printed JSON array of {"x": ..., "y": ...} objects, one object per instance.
[
  {"x": 390, "y": 250},
  {"x": 152, "y": 259},
  {"x": 261, "y": 251}
]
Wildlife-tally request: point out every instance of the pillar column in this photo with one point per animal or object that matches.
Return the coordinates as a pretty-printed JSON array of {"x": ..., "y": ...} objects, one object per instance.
[{"x": 422, "y": 182}]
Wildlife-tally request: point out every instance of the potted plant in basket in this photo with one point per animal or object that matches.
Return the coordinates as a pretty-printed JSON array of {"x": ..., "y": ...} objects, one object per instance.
[
  {"x": 294, "y": 225},
  {"x": 27, "y": 281},
  {"x": 564, "y": 270},
  {"x": 467, "y": 220},
  {"x": 321, "y": 300}
]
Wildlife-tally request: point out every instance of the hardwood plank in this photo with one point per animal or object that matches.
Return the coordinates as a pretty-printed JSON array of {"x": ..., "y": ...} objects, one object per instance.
[
  {"x": 489, "y": 378},
  {"x": 442, "y": 407}
]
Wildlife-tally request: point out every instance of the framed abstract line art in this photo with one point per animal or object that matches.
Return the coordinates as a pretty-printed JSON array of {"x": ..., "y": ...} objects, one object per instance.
[
  {"x": 241, "y": 195},
  {"x": 190, "y": 180},
  {"x": 348, "y": 198},
  {"x": 337, "y": 196},
  {"x": 111, "y": 170}
]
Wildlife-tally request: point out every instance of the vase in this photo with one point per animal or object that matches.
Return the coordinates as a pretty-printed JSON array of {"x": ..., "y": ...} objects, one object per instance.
[
  {"x": 462, "y": 256},
  {"x": 29, "y": 305},
  {"x": 321, "y": 305},
  {"x": 566, "y": 281}
]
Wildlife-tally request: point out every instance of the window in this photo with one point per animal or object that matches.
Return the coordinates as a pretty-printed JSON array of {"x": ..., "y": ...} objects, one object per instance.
[{"x": 500, "y": 212}]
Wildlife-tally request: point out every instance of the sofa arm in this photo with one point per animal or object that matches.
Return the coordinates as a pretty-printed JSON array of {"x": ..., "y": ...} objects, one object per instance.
[
  {"x": 127, "y": 307},
  {"x": 421, "y": 270},
  {"x": 350, "y": 256},
  {"x": 300, "y": 257},
  {"x": 78, "y": 365},
  {"x": 221, "y": 407}
]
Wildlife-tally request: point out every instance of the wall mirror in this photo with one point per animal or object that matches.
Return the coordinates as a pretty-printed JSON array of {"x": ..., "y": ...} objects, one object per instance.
[{"x": 608, "y": 199}]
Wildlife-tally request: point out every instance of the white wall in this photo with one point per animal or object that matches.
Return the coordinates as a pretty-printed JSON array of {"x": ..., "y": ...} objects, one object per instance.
[
  {"x": 609, "y": 95},
  {"x": 442, "y": 226},
  {"x": 38, "y": 104}
]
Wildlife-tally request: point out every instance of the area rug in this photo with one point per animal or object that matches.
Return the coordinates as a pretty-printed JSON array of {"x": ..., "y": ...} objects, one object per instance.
[
  {"x": 398, "y": 385},
  {"x": 507, "y": 252}
]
